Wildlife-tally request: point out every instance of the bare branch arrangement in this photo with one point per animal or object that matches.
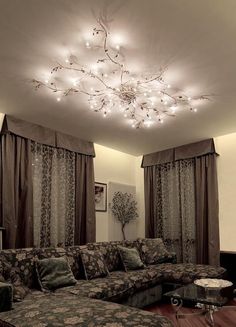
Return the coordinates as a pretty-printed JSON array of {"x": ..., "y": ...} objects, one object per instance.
[
  {"x": 144, "y": 100},
  {"x": 124, "y": 209}
]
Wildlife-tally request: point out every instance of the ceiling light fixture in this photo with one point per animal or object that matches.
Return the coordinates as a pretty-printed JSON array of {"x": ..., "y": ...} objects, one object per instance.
[{"x": 146, "y": 99}]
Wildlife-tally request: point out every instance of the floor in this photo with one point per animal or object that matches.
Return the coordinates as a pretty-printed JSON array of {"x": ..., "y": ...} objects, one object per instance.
[{"x": 223, "y": 318}]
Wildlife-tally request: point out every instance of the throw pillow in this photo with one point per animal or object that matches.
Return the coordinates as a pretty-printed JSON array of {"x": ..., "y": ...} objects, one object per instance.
[
  {"x": 54, "y": 273},
  {"x": 130, "y": 258},
  {"x": 94, "y": 264},
  {"x": 153, "y": 250}
]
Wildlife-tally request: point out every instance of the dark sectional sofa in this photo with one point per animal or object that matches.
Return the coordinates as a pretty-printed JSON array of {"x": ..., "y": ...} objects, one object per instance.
[{"x": 110, "y": 301}]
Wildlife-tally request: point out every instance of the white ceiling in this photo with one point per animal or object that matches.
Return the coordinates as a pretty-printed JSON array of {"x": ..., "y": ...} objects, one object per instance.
[{"x": 195, "y": 38}]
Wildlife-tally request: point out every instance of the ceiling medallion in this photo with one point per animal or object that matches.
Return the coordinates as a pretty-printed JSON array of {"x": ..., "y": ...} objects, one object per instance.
[{"x": 144, "y": 100}]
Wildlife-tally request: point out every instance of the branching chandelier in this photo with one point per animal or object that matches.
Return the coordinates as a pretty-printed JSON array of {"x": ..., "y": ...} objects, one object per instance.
[{"x": 144, "y": 100}]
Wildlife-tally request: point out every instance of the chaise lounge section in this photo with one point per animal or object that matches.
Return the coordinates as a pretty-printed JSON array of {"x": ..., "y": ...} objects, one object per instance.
[{"x": 92, "y": 302}]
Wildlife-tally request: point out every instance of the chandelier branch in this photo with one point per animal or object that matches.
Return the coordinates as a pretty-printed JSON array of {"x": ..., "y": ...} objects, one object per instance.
[{"x": 144, "y": 100}]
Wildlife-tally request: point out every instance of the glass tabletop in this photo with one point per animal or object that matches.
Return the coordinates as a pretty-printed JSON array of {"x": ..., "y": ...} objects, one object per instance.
[{"x": 198, "y": 294}]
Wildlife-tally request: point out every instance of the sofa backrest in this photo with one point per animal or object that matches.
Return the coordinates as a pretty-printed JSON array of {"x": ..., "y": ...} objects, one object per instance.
[{"x": 24, "y": 260}]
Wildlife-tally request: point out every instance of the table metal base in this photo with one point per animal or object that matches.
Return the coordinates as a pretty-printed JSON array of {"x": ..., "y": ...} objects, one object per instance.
[{"x": 206, "y": 310}]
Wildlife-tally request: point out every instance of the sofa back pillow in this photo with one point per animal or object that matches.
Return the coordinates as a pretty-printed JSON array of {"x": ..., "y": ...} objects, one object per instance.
[
  {"x": 22, "y": 259},
  {"x": 11, "y": 275},
  {"x": 111, "y": 252},
  {"x": 93, "y": 263},
  {"x": 153, "y": 250},
  {"x": 54, "y": 273},
  {"x": 131, "y": 258}
]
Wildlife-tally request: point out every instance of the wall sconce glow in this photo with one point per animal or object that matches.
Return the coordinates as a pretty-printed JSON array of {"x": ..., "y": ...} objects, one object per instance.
[{"x": 146, "y": 99}]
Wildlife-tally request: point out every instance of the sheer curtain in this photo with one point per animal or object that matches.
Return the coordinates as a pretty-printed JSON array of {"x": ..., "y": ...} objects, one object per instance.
[
  {"x": 181, "y": 200},
  {"x": 175, "y": 208},
  {"x": 53, "y": 171}
]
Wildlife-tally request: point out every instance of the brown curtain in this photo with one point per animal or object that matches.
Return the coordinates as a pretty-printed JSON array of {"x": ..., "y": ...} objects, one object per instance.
[
  {"x": 150, "y": 200},
  {"x": 206, "y": 195},
  {"x": 207, "y": 210},
  {"x": 16, "y": 187},
  {"x": 16, "y": 181},
  {"x": 85, "y": 223}
]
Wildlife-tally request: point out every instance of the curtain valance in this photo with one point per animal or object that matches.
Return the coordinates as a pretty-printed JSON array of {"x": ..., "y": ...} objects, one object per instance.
[
  {"x": 181, "y": 152},
  {"x": 46, "y": 136}
]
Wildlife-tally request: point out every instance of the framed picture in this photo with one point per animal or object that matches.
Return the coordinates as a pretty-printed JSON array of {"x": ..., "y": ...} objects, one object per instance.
[{"x": 100, "y": 196}]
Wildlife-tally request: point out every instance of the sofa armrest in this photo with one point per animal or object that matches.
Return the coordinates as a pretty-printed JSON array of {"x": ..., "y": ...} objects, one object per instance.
[{"x": 6, "y": 297}]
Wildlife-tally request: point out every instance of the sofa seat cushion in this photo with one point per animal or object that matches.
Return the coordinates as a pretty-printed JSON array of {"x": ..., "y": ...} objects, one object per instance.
[
  {"x": 113, "y": 288},
  {"x": 145, "y": 278},
  {"x": 56, "y": 310},
  {"x": 186, "y": 273}
]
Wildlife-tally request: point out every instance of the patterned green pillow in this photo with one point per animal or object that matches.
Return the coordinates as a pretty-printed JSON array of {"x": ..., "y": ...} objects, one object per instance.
[
  {"x": 94, "y": 264},
  {"x": 130, "y": 258},
  {"x": 54, "y": 273}
]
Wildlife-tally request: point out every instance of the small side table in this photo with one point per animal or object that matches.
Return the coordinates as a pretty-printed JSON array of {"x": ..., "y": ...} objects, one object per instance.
[{"x": 1, "y": 231}]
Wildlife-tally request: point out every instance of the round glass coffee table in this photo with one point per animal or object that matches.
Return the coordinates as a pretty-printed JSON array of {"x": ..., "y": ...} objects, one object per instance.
[{"x": 207, "y": 299}]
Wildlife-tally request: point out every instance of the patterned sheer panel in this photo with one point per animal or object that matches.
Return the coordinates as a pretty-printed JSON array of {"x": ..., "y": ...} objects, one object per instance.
[
  {"x": 54, "y": 195},
  {"x": 175, "y": 208}
]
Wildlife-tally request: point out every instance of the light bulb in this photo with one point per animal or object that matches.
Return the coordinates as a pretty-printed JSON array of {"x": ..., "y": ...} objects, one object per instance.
[
  {"x": 169, "y": 86},
  {"x": 133, "y": 125},
  {"x": 173, "y": 108},
  {"x": 67, "y": 61},
  {"x": 195, "y": 109},
  {"x": 105, "y": 114},
  {"x": 58, "y": 99},
  {"x": 87, "y": 44},
  {"x": 46, "y": 81},
  {"x": 117, "y": 47},
  {"x": 91, "y": 107},
  {"x": 75, "y": 82},
  {"x": 105, "y": 75}
]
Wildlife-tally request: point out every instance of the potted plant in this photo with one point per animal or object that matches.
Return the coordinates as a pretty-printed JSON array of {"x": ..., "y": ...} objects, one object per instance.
[{"x": 124, "y": 209}]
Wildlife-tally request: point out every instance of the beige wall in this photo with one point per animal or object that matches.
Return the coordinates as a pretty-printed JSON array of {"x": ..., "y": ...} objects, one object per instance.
[
  {"x": 1, "y": 119},
  {"x": 112, "y": 166},
  {"x": 226, "y": 147}
]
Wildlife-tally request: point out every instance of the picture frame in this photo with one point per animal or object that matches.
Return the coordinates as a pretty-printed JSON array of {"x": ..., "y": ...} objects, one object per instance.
[{"x": 100, "y": 197}]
